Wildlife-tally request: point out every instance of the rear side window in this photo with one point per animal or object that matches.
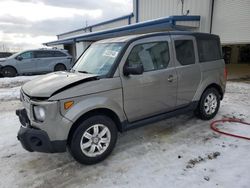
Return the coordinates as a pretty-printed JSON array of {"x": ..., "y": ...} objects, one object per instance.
[
  {"x": 59, "y": 54},
  {"x": 152, "y": 56},
  {"x": 208, "y": 49},
  {"x": 43, "y": 54},
  {"x": 185, "y": 51}
]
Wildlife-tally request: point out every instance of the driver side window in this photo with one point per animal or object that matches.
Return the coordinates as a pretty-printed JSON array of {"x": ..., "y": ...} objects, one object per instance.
[
  {"x": 26, "y": 55},
  {"x": 153, "y": 56}
]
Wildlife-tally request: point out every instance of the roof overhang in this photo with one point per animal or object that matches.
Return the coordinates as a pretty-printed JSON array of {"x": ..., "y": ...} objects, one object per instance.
[{"x": 162, "y": 24}]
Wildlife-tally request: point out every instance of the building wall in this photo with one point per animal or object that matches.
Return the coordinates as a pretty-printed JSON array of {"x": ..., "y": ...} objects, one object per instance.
[
  {"x": 231, "y": 20},
  {"x": 111, "y": 25},
  {"x": 62, "y": 36},
  {"x": 114, "y": 24},
  {"x": 59, "y": 46},
  {"x": 153, "y": 9},
  {"x": 80, "y": 47}
]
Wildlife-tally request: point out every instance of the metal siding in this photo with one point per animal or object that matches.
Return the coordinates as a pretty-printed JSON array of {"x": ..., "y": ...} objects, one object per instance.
[
  {"x": 97, "y": 28},
  {"x": 72, "y": 34},
  {"x": 111, "y": 25},
  {"x": 59, "y": 46},
  {"x": 153, "y": 9},
  {"x": 80, "y": 47},
  {"x": 194, "y": 24},
  {"x": 231, "y": 21}
]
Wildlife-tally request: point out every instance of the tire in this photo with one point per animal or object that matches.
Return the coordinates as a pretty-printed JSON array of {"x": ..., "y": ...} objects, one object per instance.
[
  {"x": 60, "y": 67},
  {"x": 94, "y": 148},
  {"x": 9, "y": 72},
  {"x": 208, "y": 105}
]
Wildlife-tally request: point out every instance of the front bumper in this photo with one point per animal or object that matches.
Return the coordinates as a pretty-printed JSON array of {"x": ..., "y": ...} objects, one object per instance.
[{"x": 33, "y": 139}]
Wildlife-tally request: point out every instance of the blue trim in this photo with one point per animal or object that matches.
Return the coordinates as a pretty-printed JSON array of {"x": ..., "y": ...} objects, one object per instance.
[
  {"x": 143, "y": 27},
  {"x": 137, "y": 11},
  {"x": 185, "y": 18},
  {"x": 101, "y": 23}
]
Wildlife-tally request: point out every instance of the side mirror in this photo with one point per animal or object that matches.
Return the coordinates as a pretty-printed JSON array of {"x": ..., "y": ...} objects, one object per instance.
[
  {"x": 19, "y": 58},
  {"x": 133, "y": 70}
]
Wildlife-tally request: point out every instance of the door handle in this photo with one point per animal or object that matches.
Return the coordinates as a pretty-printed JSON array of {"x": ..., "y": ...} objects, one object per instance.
[{"x": 170, "y": 78}]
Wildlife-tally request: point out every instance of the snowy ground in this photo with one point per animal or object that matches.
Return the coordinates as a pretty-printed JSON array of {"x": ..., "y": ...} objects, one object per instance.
[
  {"x": 10, "y": 87},
  {"x": 179, "y": 152}
]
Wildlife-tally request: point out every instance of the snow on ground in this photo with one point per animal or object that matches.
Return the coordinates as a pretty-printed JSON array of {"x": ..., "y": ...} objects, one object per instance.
[
  {"x": 179, "y": 152},
  {"x": 15, "y": 81},
  {"x": 10, "y": 87}
]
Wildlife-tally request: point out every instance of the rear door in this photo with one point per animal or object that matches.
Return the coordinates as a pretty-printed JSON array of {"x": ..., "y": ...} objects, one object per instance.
[
  {"x": 44, "y": 59},
  {"x": 154, "y": 91},
  {"x": 187, "y": 67},
  {"x": 27, "y": 63}
]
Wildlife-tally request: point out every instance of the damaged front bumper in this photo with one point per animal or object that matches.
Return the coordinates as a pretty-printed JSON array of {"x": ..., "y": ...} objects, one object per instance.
[{"x": 33, "y": 139}]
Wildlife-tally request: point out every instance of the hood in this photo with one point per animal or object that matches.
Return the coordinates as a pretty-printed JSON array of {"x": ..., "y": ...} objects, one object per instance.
[{"x": 53, "y": 83}]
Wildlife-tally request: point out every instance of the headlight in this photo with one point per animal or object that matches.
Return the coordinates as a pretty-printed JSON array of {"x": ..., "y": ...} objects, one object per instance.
[{"x": 39, "y": 113}]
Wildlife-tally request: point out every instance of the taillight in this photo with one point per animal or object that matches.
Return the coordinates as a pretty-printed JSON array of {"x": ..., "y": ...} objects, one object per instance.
[{"x": 225, "y": 73}]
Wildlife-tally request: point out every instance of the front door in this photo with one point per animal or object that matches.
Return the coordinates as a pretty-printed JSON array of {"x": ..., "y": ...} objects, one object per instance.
[
  {"x": 154, "y": 91},
  {"x": 26, "y": 62}
]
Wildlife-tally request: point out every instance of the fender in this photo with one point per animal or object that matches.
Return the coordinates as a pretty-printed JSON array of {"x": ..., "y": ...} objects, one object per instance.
[{"x": 112, "y": 101}]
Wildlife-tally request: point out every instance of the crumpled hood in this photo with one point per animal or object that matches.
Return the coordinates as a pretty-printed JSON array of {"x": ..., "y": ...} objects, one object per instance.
[{"x": 50, "y": 84}]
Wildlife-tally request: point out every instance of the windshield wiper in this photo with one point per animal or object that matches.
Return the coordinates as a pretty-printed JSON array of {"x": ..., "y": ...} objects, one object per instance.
[{"x": 84, "y": 72}]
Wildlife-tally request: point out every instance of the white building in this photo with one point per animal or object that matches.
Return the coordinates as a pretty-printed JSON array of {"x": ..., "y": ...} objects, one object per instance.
[{"x": 230, "y": 19}]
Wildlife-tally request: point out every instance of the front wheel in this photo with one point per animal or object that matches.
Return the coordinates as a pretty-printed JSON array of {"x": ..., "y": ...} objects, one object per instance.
[
  {"x": 9, "y": 72},
  {"x": 93, "y": 140},
  {"x": 209, "y": 104}
]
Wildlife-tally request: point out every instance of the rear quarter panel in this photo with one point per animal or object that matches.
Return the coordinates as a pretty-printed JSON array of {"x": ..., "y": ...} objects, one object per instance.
[{"x": 212, "y": 72}]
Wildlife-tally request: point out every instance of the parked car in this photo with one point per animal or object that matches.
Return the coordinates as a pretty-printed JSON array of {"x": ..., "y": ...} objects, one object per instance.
[
  {"x": 119, "y": 84},
  {"x": 5, "y": 54},
  {"x": 35, "y": 62}
]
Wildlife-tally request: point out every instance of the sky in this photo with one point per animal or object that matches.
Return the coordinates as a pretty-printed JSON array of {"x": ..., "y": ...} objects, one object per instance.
[{"x": 26, "y": 24}]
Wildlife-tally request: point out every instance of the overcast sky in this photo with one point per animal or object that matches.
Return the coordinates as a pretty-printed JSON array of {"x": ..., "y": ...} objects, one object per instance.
[{"x": 25, "y": 24}]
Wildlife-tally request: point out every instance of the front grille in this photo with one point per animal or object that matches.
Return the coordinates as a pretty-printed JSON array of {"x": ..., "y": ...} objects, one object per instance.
[{"x": 26, "y": 102}]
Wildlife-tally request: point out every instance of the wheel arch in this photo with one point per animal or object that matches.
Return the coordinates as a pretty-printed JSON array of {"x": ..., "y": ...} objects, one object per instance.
[
  {"x": 6, "y": 66},
  {"x": 60, "y": 63},
  {"x": 217, "y": 87},
  {"x": 11, "y": 67},
  {"x": 99, "y": 111}
]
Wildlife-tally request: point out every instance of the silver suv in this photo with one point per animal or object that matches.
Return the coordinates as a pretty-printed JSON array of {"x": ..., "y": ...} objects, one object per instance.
[
  {"x": 35, "y": 61},
  {"x": 119, "y": 84}
]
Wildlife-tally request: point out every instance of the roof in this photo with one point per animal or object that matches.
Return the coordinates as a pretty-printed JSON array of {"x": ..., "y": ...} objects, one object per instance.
[
  {"x": 120, "y": 39},
  {"x": 129, "y": 38},
  {"x": 157, "y": 25}
]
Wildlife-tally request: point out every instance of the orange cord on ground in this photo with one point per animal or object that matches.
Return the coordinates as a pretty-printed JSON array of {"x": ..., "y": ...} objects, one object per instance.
[{"x": 214, "y": 123}]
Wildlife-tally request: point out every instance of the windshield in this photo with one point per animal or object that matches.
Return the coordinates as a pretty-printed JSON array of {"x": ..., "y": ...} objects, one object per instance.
[{"x": 99, "y": 58}]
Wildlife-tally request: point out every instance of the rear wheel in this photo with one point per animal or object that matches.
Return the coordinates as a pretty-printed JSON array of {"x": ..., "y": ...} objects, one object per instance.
[
  {"x": 209, "y": 104},
  {"x": 93, "y": 140},
  {"x": 9, "y": 72},
  {"x": 60, "y": 67}
]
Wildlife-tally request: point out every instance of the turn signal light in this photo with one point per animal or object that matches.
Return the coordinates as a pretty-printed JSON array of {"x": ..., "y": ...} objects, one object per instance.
[{"x": 68, "y": 104}]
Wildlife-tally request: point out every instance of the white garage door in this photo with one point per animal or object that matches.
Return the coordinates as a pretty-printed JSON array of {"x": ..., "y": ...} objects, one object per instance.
[{"x": 231, "y": 21}]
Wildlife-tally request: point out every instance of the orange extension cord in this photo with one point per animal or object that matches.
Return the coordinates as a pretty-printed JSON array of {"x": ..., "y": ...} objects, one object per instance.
[{"x": 214, "y": 128}]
